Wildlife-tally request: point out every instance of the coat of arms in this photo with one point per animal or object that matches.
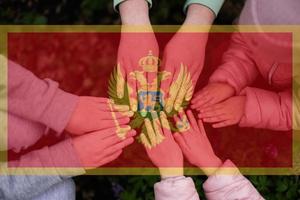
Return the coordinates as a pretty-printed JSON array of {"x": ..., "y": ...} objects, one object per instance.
[{"x": 149, "y": 95}]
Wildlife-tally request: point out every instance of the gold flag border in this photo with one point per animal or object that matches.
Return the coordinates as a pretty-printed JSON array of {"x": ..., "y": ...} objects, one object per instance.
[{"x": 5, "y": 29}]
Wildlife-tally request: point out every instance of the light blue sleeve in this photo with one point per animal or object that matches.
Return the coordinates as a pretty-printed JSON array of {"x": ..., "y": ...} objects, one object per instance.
[
  {"x": 214, "y": 5},
  {"x": 117, "y": 2}
]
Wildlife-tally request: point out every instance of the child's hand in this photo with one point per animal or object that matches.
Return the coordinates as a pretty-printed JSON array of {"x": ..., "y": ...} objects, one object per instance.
[
  {"x": 195, "y": 144},
  {"x": 211, "y": 94},
  {"x": 93, "y": 113},
  {"x": 161, "y": 147},
  {"x": 101, "y": 147},
  {"x": 183, "y": 59},
  {"x": 132, "y": 48},
  {"x": 226, "y": 113}
]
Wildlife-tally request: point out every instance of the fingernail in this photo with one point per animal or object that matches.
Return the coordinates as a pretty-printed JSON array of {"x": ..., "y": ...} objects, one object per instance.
[{"x": 133, "y": 132}]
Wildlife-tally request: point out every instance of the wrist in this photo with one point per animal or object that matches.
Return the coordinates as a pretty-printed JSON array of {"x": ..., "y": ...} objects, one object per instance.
[
  {"x": 212, "y": 165},
  {"x": 198, "y": 14},
  {"x": 134, "y": 12},
  {"x": 170, "y": 172}
]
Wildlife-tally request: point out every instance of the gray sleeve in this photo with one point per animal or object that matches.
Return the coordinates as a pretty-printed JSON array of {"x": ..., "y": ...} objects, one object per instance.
[
  {"x": 25, "y": 183},
  {"x": 22, "y": 187}
]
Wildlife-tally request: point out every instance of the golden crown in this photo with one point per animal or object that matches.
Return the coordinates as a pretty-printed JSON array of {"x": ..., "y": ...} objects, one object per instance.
[{"x": 149, "y": 63}]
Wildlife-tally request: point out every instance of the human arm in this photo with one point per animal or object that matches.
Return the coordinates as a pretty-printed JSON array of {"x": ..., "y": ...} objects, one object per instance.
[
  {"x": 137, "y": 41},
  {"x": 224, "y": 179},
  {"x": 254, "y": 107},
  {"x": 42, "y": 101},
  {"x": 237, "y": 71},
  {"x": 185, "y": 50},
  {"x": 159, "y": 142},
  {"x": 62, "y": 160}
]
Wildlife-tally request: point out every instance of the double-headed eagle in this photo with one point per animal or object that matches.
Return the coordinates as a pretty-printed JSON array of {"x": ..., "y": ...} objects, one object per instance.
[{"x": 148, "y": 94}]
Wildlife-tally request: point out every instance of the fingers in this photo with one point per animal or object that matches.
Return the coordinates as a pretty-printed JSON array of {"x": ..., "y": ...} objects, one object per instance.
[
  {"x": 180, "y": 141},
  {"x": 215, "y": 107},
  {"x": 192, "y": 120},
  {"x": 96, "y": 100},
  {"x": 157, "y": 128},
  {"x": 212, "y": 111},
  {"x": 199, "y": 95},
  {"x": 110, "y": 123},
  {"x": 183, "y": 89},
  {"x": 115, "y": 139},
  {"x": 165, "y": 124},
  {"x": 145, "y": 141},
  {"x": 110, "y": 158},
  {"x": 154, "y": 133},
  {"x": 150, "y": 132},
  {"x": 202, "y": 102},
  {"x": 223, "y": 124},
  {"x": 201, "y": 128},
  {"x": 182, "y": 122},
  {"x": 215, "y": 119},
  {"x": 118, "y": 146},
  {"x": 108, "y": 115},
  {"x": 173, "y": 89},
  {"x": 211, "y": 114},
  {"x": 102, "y": 134}
]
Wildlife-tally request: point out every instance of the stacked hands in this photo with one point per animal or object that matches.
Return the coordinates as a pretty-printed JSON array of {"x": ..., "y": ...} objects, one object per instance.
[
  {"x": 157, "y": 91},
  {"x": 217, "y": 104},
  {"x": 138, "y": 75},
  {"x": 97, "y": 144}
]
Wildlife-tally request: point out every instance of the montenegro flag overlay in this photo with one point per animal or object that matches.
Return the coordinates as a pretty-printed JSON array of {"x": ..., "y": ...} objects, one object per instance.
[{"x": 45, "y": 68}]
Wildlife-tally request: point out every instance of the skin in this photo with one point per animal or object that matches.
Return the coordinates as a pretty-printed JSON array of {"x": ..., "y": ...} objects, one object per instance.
[
  {"x": 137, "y": 41},
  {"x": 101, "y": 147},
  {"x": 187, "y": 47},
  {"x": 226, "y": 113},
  {"x": 196, "y": 147},
  {"x": 159, "y": 144},
  {"x": 135, "y": 16},
  {"x": 211, "y": 94},
  {"x": 89, "y": 111}
]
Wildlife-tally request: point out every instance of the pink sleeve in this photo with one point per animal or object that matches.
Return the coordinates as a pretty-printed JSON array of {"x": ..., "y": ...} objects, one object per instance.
[
  {"x": 266, "y": 109},
  {"x": 229, "y": 185},
  {"x": 58, "y": 157},
  {"x": 176, "y": 188},
  {"x": 238, "y": 69},
  {"x": 38, "y": 100}
]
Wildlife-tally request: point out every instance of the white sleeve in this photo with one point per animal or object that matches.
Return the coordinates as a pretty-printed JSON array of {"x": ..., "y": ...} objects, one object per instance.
[
  {"x": 181, "y": 187},
  {"x": 228, "y": 183}
]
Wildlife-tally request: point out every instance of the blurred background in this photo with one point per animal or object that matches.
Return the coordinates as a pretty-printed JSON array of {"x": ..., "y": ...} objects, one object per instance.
[{"x": 95, "y": 12}]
